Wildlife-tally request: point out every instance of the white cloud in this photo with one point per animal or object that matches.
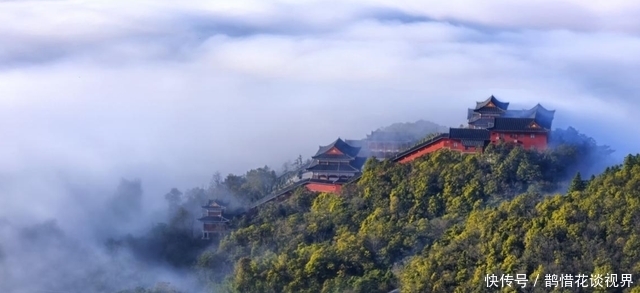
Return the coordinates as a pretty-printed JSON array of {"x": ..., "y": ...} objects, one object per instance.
[
  {"x": 537, "y": 14},
  {"x": 171, "y": 92}
]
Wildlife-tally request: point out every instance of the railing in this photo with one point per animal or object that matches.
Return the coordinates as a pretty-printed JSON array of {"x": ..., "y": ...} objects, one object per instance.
[
  {"x": 278, "y": 193},
  {"x": 289, "y": 178},
  {"x": 421, "y": 143},
  {"x": 430, "y": 138}
]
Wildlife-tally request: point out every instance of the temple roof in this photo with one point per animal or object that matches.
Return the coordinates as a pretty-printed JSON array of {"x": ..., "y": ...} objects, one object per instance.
[
  {"x": 330, "y": 157},
  {"x": 355, "y": 165},
  {"x": 492, "y": 101},
  {"x": 543, "y": 110},
  {"x": 542, "y": 116},
  {"x": 355, "y": 142},
  {"x": 346, "y": 151},
  {"x": 358, "y": 162},
  {"x": 474, "y": 143},
  {"x": 212, "y": 204},
  {"x": 469, "y": 134},
  {"x": 481, "y": 121},
  {"x": 491, "y": 111},
  {"x": 470, "y": 113},
  {"x": 336, "y": 168},
  {"x": 213, "y": 219},
  {"x": 517, "y": 124},
  {"x": 362, "y": 145}
]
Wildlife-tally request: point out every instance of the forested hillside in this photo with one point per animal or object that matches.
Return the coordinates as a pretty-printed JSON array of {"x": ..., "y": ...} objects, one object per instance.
[
  {"x": 438, "y": 224},
  {"x": 593, "y": 229},
  {"x": 441, "y": 224}
]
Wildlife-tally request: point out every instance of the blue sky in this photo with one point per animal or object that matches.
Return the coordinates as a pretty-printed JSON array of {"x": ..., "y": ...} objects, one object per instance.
[{"x": 172, "y": 91}]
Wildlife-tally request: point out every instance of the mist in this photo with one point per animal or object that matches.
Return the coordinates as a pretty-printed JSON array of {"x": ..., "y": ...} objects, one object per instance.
[{"x": 169, "y": 93}]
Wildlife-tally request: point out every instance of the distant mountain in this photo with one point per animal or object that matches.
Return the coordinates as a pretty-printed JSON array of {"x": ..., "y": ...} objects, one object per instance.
[{"x": 412, "y": 131}]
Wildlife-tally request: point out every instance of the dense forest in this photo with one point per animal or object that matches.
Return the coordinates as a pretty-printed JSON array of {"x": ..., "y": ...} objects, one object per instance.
[{"x": 442, "y": 223}]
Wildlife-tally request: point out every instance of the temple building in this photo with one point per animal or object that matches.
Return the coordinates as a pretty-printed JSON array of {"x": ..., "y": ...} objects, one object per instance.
[
  {"x": 466, "y": 140},
  {"x": 490, "y": 122},
  {"x": 334, "y": 164},
  {"x": 212, "y": 220},
  {"x": 484, "y": 114},
  {"x": 526, "y": 132}
]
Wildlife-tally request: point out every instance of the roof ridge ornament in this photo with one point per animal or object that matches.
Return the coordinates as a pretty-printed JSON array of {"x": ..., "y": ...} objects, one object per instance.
[{"x": 492, "y": 101}]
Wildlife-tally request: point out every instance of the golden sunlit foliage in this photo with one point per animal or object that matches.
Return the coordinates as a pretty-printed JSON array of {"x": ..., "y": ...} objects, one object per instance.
[{"x": 441, "y": 224}]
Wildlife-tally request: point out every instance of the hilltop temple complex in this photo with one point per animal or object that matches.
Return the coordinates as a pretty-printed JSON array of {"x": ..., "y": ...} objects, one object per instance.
[{"x": 489, "y": 122}]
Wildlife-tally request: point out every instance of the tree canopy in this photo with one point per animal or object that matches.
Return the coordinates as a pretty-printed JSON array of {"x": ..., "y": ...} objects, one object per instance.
[{"x": 441, "y": 224}]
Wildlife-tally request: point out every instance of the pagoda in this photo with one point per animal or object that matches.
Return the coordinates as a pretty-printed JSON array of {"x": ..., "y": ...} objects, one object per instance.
[
  {"x": 337, "y": 161},
  {"x": 538, "y": 113},
  {"x": 334, "y": 164},
  {"x": 483, "y": 114},
  {"x": 212, "y": 220}
]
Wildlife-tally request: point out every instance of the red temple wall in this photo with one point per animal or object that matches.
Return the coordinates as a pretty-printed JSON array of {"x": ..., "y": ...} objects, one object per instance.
[
  {"x": 456, "y": 145},
  {"x": 323, "y": 187},
  {"x": 425, "y": 150},
  {"x": 538, "y": 142}
]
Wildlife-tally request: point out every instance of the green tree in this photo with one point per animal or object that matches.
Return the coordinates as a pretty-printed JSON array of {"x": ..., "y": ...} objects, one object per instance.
[{"x": 577, "y": 184}]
